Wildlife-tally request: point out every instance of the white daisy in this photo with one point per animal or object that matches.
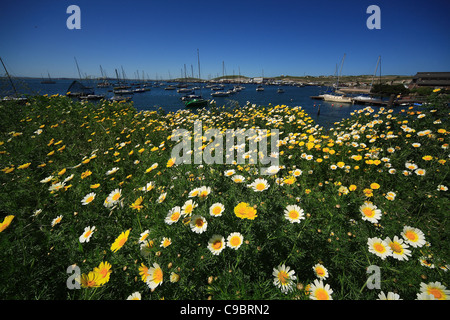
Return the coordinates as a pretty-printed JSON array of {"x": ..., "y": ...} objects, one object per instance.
[
  {"x": 294, "y": 213},
  {"x": 198, "y": 224}
]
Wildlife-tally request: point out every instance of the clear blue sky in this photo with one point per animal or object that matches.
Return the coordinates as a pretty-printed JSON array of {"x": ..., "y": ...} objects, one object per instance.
[{"x": 279, "y": 37}]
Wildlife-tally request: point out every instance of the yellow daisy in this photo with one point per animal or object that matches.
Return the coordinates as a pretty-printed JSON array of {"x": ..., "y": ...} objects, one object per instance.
[
  {"x": 144, "y": 272},
  {"x": 137, "y": 205},
  {"x": 6, "y": 222},
  {"x": 120, "y": 241},
  {"x": 244, "y": 211},
  {"x": 171, "y": 162},
  {"x": 24, "y": 166},
  {"x": 90, "y": 280},
  {"x": 103, "y": 271}
]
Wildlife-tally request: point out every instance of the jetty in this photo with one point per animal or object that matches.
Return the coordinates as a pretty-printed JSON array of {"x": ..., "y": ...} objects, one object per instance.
[{"x": 393, "y": 101}]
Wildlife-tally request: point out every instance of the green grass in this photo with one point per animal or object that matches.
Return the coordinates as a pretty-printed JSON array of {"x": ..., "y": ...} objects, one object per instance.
[{"x": 81, "y": 136}]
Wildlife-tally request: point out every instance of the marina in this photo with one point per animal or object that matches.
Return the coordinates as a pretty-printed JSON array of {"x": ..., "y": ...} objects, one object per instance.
[{"x": 163, "y": 95}]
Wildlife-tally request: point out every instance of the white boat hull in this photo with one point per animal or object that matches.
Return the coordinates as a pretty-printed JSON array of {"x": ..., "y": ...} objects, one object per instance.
[{"x": 335, "y": 98}]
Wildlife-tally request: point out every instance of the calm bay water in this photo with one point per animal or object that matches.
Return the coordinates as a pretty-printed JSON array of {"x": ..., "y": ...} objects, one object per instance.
[{"x": 169, "y": 100}]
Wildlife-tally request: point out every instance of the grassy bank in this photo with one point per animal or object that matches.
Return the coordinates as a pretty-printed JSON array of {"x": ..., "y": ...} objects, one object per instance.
[{"x": 67, "y": 167}]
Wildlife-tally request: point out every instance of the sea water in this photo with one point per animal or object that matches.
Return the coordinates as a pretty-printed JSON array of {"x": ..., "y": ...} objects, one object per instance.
[{"x": 170, "y": 100}]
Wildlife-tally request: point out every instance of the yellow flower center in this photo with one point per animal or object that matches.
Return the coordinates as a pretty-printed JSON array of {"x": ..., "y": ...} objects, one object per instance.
[
  {"x": 217, "y": 244},
  {"x": 121, "y": 241},
  {"x": 411, "y": 235},
  {"x": 158, "y": 275},
  {"x": 322, "y": 294},
  {"x": 116, "y": 196},
  {"x": 103, "y": 272},
  {"x": 91, "y": 283},
  {"x": 396, "y": 247},
  {"x": 293, "y": 214},
  {"x": 379, "y": 247},
  {"x": 435, "y": 292},
  {"x": 217, "y": 210},
  {"x": 260, "y": 186},
  {"x": 235, "y": 241},
  {"x": 368, "y": 212},
  {"x": 175, "y": 216},
  {"x": 283, "y": 277},
  {"x": 320, "y": 272}
]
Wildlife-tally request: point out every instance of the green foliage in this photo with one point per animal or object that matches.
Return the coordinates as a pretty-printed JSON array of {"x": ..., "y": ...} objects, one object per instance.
[
  {"x": 387, "y": 90},
  {"x": 358, "y": 152}
]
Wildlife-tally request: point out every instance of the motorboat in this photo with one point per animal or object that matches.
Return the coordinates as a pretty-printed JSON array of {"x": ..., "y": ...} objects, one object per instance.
[
  {"x": 337, "y": 98},
  {"x": 220, "y": 94}
]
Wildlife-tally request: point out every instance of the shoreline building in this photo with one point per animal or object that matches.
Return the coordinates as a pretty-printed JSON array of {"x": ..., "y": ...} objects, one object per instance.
[{"x": 431, "y": 79}]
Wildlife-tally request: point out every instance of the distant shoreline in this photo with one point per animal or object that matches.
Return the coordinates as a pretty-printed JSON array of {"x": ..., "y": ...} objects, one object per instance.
[{"x": 362, "y": 81}]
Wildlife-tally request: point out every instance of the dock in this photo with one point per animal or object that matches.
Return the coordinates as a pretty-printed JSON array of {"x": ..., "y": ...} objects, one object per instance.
[{"x": 379, "y": 102}]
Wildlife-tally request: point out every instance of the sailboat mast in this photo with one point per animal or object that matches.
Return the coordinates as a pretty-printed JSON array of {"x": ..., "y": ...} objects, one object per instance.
[
  {"x": 342, "y": 64},
  {"x": 380, "y": 69},
  {"x": 78, "y": 68},
  {"x": 375, "y": 72},
  {"x": 199, "y": 77},
  {"x": 198, "y": 59},
  {"x": 12, "y": 84}
]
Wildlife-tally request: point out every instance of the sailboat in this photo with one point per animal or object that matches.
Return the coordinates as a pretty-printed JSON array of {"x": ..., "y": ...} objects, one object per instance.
[
  {"x": 8, "y": 98},
  {"x": 49, "y": 81},
  {"x": 333, "y": 97},
  {"x": 260, "y": 87},
  {"x": 363, "y": 97},
  {"x": 105, "y": 83},
  {"x": 196, "y": 102}
]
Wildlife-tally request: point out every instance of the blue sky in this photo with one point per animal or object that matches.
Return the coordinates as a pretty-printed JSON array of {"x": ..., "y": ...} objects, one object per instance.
[{"x": 274, "y": 37}]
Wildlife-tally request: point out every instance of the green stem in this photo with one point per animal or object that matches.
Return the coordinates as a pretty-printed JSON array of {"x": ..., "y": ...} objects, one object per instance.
[{"x": 139, "y": 222}]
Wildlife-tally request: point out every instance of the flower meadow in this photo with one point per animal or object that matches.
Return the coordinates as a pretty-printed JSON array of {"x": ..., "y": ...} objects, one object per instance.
[{"x": 95, "y": 188}]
